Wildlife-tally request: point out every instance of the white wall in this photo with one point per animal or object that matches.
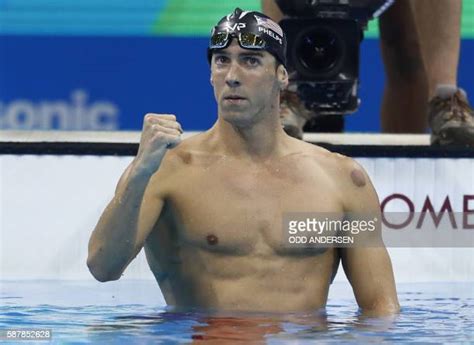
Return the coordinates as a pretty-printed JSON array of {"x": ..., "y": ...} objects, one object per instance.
[{"x": 50, "y": 204}]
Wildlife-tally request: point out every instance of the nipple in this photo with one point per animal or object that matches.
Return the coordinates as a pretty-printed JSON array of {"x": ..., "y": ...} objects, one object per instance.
[{"x": 212, "y": 239}]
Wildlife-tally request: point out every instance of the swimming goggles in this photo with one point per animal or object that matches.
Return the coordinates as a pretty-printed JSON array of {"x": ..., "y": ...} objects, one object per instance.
[{"x": 246, "y": 40}]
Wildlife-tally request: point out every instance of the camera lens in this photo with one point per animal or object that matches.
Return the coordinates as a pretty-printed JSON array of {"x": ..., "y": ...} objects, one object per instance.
[{"x": 319, "y": 50}]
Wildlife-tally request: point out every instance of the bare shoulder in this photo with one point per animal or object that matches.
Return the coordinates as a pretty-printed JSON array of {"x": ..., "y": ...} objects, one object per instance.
[
  {"x": 337, "y": 164},
  {"x": 351, "y": 174},
  {"x": 345, "y": 171},
  {"x": 358, "y": 192},
  {"x": 181, "y": 155},
  {"x": 174, "y": 166}
]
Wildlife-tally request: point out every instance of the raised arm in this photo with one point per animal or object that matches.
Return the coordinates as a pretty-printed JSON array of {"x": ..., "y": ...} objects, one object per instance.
[
  {"x": 368, "y": 269},
  {"x": 128, "y": 219}
]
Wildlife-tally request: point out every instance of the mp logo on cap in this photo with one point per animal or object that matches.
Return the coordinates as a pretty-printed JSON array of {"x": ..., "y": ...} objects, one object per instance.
[{"x": 234, "y": 27}]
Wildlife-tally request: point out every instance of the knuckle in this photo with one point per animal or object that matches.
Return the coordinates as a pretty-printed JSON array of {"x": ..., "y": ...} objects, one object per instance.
[
  {"x": 161, "y": 130},
  {"x": 149, "y": 116},
  {"x": 170, "y": 117},
  {"x": 160, "y": 135}
]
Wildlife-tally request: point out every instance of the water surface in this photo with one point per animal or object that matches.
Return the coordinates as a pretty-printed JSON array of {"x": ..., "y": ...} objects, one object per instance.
[{"x": 133, "y": 312}]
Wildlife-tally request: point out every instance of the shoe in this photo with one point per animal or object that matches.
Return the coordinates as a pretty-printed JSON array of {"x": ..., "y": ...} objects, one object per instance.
[{"x": 451, "y": 119}]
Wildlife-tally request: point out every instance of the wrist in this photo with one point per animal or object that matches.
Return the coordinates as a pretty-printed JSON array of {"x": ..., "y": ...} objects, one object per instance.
[{"x": 143, "y": 169}]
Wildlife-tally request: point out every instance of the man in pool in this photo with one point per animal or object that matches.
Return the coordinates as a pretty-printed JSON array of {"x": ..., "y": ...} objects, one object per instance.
[{"x": 208, "y": 210}]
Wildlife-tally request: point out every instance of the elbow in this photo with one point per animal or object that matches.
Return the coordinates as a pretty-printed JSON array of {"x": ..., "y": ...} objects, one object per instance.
[
  {"x": 388, "y": 310},
  {"x": 382, "y": 309},
  {"x": 395, "y": 308},
  {"x": 392, "y": 306},
  {"x": 99, "y": 273}
]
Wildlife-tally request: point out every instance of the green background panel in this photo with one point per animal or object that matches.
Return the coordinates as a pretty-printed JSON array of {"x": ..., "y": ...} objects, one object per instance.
[
  {"x": 191, "y": 17},
  {"x": 196, "y": 17},
  {"x": 138, "y": 17}
]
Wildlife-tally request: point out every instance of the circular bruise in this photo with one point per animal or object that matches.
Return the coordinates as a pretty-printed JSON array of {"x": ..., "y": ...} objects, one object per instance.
[{"x": 358, "y": 178}]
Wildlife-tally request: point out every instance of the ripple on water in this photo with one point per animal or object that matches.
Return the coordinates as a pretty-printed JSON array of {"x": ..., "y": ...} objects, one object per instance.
[{"x": 424, "y": 317}]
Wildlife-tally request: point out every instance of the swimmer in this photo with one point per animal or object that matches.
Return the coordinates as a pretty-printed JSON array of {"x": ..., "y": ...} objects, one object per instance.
[{"x": 208, "y": 210}]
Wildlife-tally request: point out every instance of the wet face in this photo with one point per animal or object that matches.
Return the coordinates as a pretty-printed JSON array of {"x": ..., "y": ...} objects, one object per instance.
[{"x": 246, "y": 84}]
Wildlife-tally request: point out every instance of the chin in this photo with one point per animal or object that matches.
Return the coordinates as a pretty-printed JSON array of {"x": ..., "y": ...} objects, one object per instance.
[{"x": 235, "y": 118}]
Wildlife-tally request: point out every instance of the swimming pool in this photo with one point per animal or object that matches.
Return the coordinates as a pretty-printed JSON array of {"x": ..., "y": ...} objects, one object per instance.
[{"x": 133, "y": 312}]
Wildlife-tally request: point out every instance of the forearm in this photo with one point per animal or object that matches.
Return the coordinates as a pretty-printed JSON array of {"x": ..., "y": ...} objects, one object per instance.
[
  {"x": 113, "y": 243},
  {"x": 128, "y": 219}
]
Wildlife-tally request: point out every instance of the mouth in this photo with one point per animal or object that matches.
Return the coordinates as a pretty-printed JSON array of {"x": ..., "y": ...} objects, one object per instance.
[{"x": 234, "y": 98}]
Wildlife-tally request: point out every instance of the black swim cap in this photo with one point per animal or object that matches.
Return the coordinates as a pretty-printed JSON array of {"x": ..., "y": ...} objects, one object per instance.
[{"x": 254, "y": 31}]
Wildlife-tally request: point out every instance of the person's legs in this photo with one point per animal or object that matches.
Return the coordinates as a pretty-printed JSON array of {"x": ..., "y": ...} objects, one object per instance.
[
  {"x": 404, "y": 104},
  {"x": 271, "y": 9},
  {"x": 438, "y": 24},
  {"x": 439, "y": 27}
]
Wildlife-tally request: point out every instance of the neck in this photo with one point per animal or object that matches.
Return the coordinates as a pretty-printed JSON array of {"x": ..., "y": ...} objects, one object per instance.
[{"x": 264, "y": 139}]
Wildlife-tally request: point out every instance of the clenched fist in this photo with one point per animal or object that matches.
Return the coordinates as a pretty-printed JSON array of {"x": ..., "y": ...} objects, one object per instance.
[{"x": 160, "y": 132}]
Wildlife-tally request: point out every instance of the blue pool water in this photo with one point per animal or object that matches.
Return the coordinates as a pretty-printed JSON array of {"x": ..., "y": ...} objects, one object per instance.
[{"x": 133, "y": 312}]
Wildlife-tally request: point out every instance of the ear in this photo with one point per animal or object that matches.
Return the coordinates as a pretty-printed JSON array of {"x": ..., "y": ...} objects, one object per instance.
[
  {"x": 211, "y": 79},
  {"x": 282, "y": 75}
]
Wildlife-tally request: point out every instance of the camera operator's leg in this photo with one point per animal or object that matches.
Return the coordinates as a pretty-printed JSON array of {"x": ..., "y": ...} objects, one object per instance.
[
  {"x": 406, "y": 89},
  {"x": 450, "y": 116},
  {"x": 438, "y": 24},
  {"x": 271, "y": 9}
]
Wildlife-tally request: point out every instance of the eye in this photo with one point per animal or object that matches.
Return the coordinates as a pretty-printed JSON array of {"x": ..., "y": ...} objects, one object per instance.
[
  {"x": 220, "y": 59},
  {"x": 252, "y": 60}
]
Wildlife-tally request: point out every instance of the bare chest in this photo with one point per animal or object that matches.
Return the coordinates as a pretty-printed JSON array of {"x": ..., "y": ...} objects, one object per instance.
[{"x": 240, "y": 211}]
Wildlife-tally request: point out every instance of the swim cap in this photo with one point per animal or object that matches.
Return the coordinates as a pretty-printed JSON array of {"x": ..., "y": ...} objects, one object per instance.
[{"x": 253, "y": 30}]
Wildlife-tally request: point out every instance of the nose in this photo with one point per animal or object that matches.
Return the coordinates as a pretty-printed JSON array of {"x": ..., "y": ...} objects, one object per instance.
[{"x": 232, "y": 78}]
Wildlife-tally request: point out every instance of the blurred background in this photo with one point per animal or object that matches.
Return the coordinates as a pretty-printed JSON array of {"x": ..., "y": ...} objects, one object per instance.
[{"x": 101, "y": 65}]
